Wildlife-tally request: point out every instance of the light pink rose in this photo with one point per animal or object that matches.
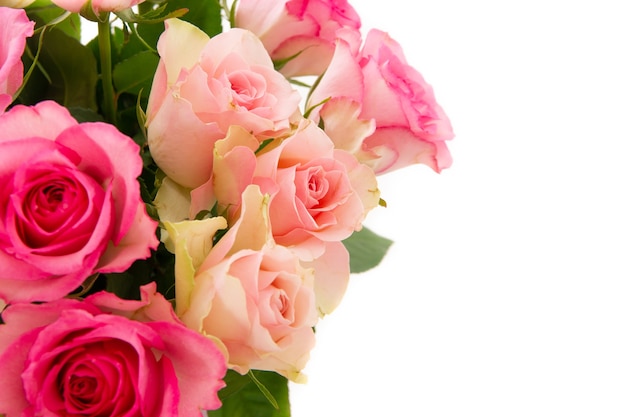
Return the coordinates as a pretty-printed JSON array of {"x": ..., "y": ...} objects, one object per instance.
[
  {"x": 203, "y": 88},
  {"x": 317, "y": 197},
  {"x": 250, "y": 293},
  {"x": 306, "y": 28},
  {"x": 106, "y": 356},
  {"x": 380, "y": 108},
  {"x": 323, "y": 192},
  {"x": 69, "y": 203},
  {"x": 235, "y": 167},
  {"x": 317, "y": 193},
  {"x": 14, "y": 29},
  {"x": 98, "y": 6}
]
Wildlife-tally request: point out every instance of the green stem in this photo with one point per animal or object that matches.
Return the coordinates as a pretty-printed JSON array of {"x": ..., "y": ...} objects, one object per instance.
[{"x": 104, "y": 44}]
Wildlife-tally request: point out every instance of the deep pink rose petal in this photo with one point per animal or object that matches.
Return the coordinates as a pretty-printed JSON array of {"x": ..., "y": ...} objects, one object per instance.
[
  {"x": 58, "y": 207},
  {"x": 165, "y": 390},
  {"x": 22, "y": 326},
  {"x": 15, "y": 27},
  {"x": 136, "y": 244},
  {"x": 5, "y": 100},
  {"x": 99, "y": 145},
  {"x": 70, "y": 203},
  {"x": 43, "y": 120},
  {"x": 12, "y": 399},
  {"x": 20, "y": 150},
  {"x": 91, "y": 378},
  {"x": 55, "y": 204},
  {"x": 70, "y": 253},
  {"x": 76, "y": 329},
  {"x": 29, "y": 288},
  {"x": 23, "y": 317},
  {"x": 199, "y": 365},
  {"x": 152, "y": 306},
  {"x": 75, "y": 359}
]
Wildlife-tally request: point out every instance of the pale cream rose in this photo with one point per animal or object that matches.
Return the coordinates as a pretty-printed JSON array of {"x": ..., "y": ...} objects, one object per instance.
[
  {"x": 253, "y": 295},
  {"x": 16, "y": 4}
]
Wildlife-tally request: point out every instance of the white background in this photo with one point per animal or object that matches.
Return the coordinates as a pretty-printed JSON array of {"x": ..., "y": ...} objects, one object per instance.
[{"x": 504, "y": 293}]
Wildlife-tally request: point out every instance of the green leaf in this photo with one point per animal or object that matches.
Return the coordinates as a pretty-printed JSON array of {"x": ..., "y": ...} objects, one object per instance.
[
  {"x": 280, "y": 63},
  {"x": 205, "y": 14},
  {"x": 44, "y": 13},
  {"x": 126, "y": 284},
  {"x": 132, "y": 45},
  {"x": 243, "y": 396},
  {"x": 234, "y": 383},
  {"x": 72, "y": 71},
  {"x": 263, "y": 144},
  {"x": 135, "y": 73},
  {"x": 366, "y": 249},
  {"x": 83, "y": 115},
  {"x": 268, "y": 395}
]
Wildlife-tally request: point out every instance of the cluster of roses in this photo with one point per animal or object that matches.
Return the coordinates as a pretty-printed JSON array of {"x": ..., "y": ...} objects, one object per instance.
[{"x": 257, "y": 197}]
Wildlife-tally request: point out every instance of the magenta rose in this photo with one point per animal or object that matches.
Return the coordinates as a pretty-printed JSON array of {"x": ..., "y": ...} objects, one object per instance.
[
  {"x": 69, "y": 203},
  {"x": 14, "y": 29},
  {"x": 304, "y": 30},
  {"x": 97, "y": 6},
  {"x": 106, "y": 356},
  {"x": 200, "y": 90},
  {"x": 380, "y": 108}
]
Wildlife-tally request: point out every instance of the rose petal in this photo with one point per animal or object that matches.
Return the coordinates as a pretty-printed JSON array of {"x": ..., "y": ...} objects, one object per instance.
[
  {"x": 199, "y": 366},
  {"x": 332, "y": 274},
  {"x": 45, "y": 119}
]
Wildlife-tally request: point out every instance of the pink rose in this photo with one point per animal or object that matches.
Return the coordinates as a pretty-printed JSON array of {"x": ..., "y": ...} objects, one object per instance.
[
  {"x": 250, "y": 293},
  {"x": 317, "y": 196},
  {"x": 317, "y": 193},
  {"x": 97, "y": 6},
  {"x": 14, "y": 29},
  {"x": 69, "y": 203},
  {"x": 303, "y": 29},
  {"x": 69, "y": 357},
  {"x": 323, "y": 193},
  {"x": 318, "y": 230},
  {"x": 380, "y": 108},
  {"x": 200, "y": 90}
]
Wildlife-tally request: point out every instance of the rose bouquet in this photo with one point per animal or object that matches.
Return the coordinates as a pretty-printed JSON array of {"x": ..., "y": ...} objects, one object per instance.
[{"x": 182, "y": 197}]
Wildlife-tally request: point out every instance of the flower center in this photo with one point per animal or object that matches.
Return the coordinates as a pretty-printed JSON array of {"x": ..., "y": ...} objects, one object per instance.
[
  {"x": 247, "y": 87},
  {"x": 51, "y": 197},
  {"x": 82, "y": 389}
]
